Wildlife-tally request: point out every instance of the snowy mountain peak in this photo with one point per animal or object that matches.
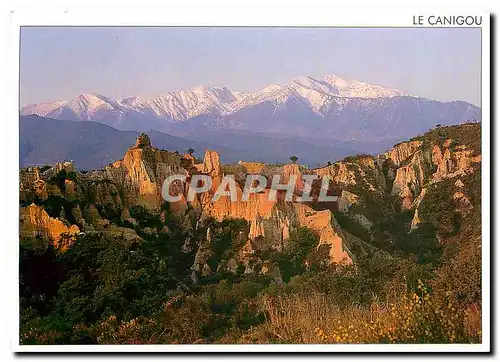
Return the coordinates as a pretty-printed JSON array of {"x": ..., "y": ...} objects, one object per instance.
[
  {"x": 271, "y": 88},
  {"x": 353, "y": 88},
  {"x": 335, "y": 80},
  {"x": 303, "y": 80},
  {"x": 211, "y": 100},
  {"x": 90, "y": 97}
]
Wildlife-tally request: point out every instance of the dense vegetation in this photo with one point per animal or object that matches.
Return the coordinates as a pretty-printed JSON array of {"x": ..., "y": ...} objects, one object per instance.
[{"x": 109, "y": 292}]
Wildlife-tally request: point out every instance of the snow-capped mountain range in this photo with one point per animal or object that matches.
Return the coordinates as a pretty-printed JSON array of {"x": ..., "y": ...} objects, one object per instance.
[
  {"x": 331, "y": 107},
  {"x": 184, "y": 104}
]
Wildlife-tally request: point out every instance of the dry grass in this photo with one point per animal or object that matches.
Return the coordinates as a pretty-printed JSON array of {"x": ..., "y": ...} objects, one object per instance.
[{"x": 414, "y": 318}]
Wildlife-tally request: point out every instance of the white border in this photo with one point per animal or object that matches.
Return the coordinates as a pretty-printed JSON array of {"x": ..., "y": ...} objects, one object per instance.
[{"x": 248, "y": 14}]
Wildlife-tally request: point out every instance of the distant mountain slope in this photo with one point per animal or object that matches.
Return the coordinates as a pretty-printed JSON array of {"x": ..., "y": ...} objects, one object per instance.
[
  {"x": 89, "y": 144},
  {"x": 328, "y": 108},
  {"x": 93, "y": 145},
  {"x": 337, "y": 118}
]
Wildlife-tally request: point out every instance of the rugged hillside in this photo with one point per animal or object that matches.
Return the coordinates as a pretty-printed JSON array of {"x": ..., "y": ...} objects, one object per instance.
[
  {"x": 105, "y": 260},
  {"x": 425, "y": 188},
  {"x": 102, "y": 201},
  {"x": 382, "y": 199}
]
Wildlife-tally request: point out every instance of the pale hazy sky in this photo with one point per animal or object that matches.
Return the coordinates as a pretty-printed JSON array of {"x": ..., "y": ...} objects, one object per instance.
[{"x": 58, "y": 63}]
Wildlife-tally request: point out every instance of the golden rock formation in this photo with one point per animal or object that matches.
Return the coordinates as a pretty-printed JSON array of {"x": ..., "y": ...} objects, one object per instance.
[
  {"x": 339, "y": 172},
  {"x": 35, "y": 222},
  {"x": 402, "y": 151},
  {"x": 324, "y": 224},
  {"x": 141, "y": 174},
  {"x": 259, "y": 208},
  {"x": 409, "y": 180}
]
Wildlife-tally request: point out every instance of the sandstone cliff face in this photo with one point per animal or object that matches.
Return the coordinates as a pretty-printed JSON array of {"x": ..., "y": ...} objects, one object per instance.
[
  {"x": 35, "y": 222},
  {"x": 402, "y": 151},
  {"x": 403, "y": 172},
  {"x": 428, "y": 164},
  {"x": 325, "y": 225},
  {"x": 410, "y": 179},
  {"x": 339, "y": 172},
  {"x": 271, "y": 220},
  {"x": 399, "y": 178},
  {"x": 141, "y": 173},
  {"x": 289, "y": 171},
  {"x": 416, "y": 217},
  {"x": 451, "y": 163}
]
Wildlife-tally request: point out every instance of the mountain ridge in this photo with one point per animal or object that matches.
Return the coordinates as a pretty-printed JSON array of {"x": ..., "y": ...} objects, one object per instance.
[
  {"x": 94, "y": 145},
  {"x": 331, "y": 107}
]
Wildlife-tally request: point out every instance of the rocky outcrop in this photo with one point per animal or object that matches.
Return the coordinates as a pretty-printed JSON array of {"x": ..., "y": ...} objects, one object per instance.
[
  {"x": 346, "y": 200},
  {"x": 200, "y": 266},
  {"x": 187, "y": 161},
  {"x": 120, "y": 234},
  {"x": 67, "y": 166},
  {"x": 142, "y": 141},
  {"x": 402, "y": 151},
  {"x": 339, "y": 173},
  {"x": 415, "y": 206},
  {"x": 415, "y": 221},
  {"x": 271, "y": 221},
  {"x": 256, "y": 228},
  {"x": 419, "y": 164},
  {"x": 324, "y": 224},
  {"x": 103, "y": 192},
  {"x": 31, "y": 185},
  {"x": 35, "y": 222},
  {"x": 409, "y": 180},
  {"x": 28, "y": 176},
  {"x": 72, "y": 191},
  {"x": 95, "y": 199},
  {"x": 92, "y": 216},
  {"x": 141, "y": 173},
  {"x": 211, "y": 166},
  {"x": 292, "y": 171},
  {"x": 452, "y": 163},
  {"x": 462, "y": 202}
]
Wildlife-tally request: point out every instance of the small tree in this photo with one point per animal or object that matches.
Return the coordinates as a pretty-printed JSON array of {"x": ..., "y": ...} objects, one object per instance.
[
  {"x": 190, "y": 151},
  {"x": 294, "y": 159}
]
